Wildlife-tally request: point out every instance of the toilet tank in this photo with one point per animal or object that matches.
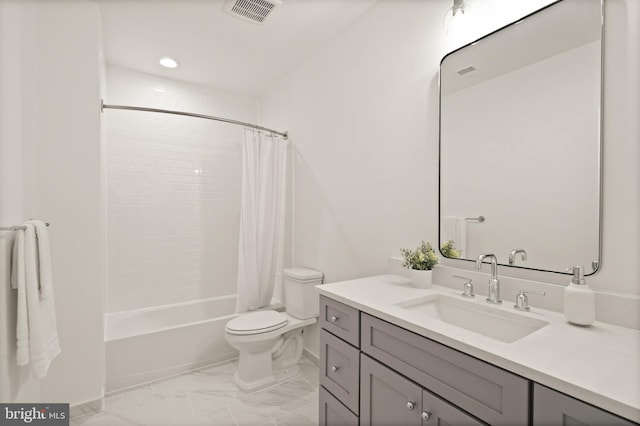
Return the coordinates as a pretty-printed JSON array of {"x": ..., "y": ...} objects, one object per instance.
[{"x": 300, "y": 296}]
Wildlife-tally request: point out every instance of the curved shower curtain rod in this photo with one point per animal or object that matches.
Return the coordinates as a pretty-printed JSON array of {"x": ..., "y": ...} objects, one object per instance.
[{"x": 190, "y": 114}]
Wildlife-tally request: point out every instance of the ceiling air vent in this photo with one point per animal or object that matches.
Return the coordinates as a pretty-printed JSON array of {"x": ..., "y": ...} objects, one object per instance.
[
  {"x": 255, "y": 11},
  {"x": 466, "y": 70}
]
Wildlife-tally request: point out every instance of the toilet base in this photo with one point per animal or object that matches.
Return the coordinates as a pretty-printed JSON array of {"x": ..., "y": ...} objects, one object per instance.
[
  {"x": 269, "y": 358},
  {"x": 266, "y": 368},
  {"x": 274, "y": 379}
]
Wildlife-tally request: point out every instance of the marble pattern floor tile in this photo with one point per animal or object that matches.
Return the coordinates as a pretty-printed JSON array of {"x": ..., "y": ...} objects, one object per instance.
[
  {"x": 87, "y": 408},
  {"x": 208, "y": 396},
  {"x": 272, "y": 403}
]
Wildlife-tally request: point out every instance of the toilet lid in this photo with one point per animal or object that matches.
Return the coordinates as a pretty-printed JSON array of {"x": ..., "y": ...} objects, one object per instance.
[{"x": 256, "y": 322}]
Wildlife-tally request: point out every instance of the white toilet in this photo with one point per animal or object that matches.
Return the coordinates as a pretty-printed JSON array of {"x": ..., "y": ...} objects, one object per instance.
[{"x": 270, "y": 342}]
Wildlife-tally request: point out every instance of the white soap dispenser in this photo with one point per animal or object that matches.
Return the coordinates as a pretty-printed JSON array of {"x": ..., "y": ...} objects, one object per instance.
[{"x": 579, "y": 299}]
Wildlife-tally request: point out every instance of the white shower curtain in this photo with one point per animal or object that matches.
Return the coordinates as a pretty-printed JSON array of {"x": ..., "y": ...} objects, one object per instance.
[{"x": 262, "y": 214}]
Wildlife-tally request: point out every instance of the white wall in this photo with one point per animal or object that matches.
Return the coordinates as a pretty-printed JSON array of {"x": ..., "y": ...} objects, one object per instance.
[
  {"x": 360, "y": 114},
  {"x": 173, "y": 191},
  {"x": 358, "y": 133},
  {"x": 621, "y": 187},
  {"x": 363, "y": 117},
  {"x": 51, "y": 151},
  {"x": 17, "y": 29}
]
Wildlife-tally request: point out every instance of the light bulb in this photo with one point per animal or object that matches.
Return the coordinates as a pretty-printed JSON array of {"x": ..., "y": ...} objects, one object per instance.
[
  {"x": 168, "y": 62},
  {"x": 456, "y": 17}
]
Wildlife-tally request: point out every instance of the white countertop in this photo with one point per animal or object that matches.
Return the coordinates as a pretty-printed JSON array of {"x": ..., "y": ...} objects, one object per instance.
[{"x": 599, "y": 364}]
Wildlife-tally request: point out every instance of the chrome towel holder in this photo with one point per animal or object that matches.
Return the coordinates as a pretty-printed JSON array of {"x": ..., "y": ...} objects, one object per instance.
[
  {"x": 16, "y": 228},
  {"x": 475, "y": 219}
]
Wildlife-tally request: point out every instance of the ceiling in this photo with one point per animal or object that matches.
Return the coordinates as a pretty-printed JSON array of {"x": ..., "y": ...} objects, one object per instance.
[{"x": 215, "y": 48}]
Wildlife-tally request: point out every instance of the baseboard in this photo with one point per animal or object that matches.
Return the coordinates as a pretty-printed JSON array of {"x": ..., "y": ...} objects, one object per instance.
[{"x": 315, "y": 360}]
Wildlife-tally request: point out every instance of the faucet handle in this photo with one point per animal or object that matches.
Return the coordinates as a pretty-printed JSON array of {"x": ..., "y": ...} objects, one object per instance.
[
  {"x": 522, "y": 301},
  {"x": 468, "y": 286}
]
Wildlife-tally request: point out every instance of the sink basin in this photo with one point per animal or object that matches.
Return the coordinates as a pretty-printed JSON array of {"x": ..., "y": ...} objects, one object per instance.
[{"x": 485, "y": 320}]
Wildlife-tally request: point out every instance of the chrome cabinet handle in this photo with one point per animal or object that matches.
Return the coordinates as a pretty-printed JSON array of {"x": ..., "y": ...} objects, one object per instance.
[
  {"x": 426, "y": 415},
  {"x": 335, "y": 368},
  {"x": 411, "y": 405},
  {"x": 334, "y": 318}
]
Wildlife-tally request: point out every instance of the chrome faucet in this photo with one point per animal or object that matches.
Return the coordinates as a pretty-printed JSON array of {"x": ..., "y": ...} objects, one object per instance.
[
  {"x": 512, "y": 256},
  {"x": 494, "y": 283}
]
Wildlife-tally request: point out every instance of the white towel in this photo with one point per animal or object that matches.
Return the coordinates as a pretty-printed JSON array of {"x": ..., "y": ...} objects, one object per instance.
[
  {"x": 455, "y": 229},
  {"x": 36, "y": 330},
  {"x": 18, "y": 282}
]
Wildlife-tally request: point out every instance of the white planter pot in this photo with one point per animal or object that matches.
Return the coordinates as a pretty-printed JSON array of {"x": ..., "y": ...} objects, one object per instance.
[{"x": 421, "y": 279}]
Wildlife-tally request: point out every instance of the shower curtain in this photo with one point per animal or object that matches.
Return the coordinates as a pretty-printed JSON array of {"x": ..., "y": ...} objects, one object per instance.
[{"x": 262, "y": 214}]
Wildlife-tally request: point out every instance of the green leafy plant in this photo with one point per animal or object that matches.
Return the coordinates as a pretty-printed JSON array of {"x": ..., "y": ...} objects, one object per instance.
[
  {"x": 448, "y": 250},
  {"x": 422, "y": 258}
]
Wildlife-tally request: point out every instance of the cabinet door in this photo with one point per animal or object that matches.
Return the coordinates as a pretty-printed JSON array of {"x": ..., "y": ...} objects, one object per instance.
[
  {"x": 435, "y": 411},
  {"x": 386, "y": 398},
  {"x": 552, "y": 408},
  {"x": 333, "y": 413}
]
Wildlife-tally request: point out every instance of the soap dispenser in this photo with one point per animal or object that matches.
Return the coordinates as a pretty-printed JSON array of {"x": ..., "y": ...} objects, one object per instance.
[{"x": 579, "y": 299}]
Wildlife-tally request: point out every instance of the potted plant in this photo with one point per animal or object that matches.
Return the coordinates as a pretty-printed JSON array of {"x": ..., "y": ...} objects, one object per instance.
[
  {"x": 421, "y": 262},
  {"x": 449, "y": 250}
]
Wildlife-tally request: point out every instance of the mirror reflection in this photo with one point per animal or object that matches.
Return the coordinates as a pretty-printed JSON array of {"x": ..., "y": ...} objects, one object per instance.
[{"x": 520, "y": 141}]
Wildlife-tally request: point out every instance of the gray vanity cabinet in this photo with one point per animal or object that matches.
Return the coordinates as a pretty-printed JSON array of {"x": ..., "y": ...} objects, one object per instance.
[
  {"x": 340, "y": 369},
  {"x": 435, "y": 411},
  {"x": 339, "y": 364},
  {"x": 552, "y": 408},
  {"x": 489, "y": 393},
  {"x": 374, "y": 372},
  {"x": 333, "y": 413},
  {"x": 389, "y": 399},
  {"x": 340, "y": 320}
]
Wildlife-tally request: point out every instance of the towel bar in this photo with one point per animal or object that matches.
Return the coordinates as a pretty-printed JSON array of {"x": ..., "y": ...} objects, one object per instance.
[
  {"x": 475, "y": 219},
  {"x": 15, "y": 228}
]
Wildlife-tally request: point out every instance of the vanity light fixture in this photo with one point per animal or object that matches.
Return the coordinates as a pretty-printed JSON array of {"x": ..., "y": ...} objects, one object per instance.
[
  {"x": 168, "y": 62},
  {"x": 458, "y": 7},
  {"x": 456, "y": 15}
]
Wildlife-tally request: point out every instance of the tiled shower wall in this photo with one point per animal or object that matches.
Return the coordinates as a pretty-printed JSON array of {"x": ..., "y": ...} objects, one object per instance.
[{"x": 173, "y": 194}]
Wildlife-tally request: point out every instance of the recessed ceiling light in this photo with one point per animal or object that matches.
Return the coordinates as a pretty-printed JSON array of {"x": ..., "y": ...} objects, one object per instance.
[{"x": 168, "y": 63}]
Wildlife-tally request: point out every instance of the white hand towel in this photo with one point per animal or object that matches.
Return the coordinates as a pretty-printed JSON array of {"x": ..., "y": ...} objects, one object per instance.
[
  {"x": 18, "y": 282},
  {"x": 45, "y": 278},
  {"x": 37, "y": 295},
  {"x": 455, "y": 229},
  {"x": 461, "y": 235},
  {"x": 48, "y": 347}
]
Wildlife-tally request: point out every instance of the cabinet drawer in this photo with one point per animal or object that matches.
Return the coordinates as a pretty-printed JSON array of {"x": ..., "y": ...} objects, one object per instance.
[
  {"x": 551, "y": 407},
  {"x": 333, "y": 413},
  {"x": 341, "y": 320},
  {"x": 487, "y": 392},
  {"x": 340, "y": 369}
]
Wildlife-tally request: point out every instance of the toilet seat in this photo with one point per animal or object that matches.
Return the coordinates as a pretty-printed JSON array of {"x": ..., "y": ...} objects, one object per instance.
[{"x": 256, "y": 323}]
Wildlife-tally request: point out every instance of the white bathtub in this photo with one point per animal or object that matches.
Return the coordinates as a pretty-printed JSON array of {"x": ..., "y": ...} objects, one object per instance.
[{"x": 151, "y": 343}]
